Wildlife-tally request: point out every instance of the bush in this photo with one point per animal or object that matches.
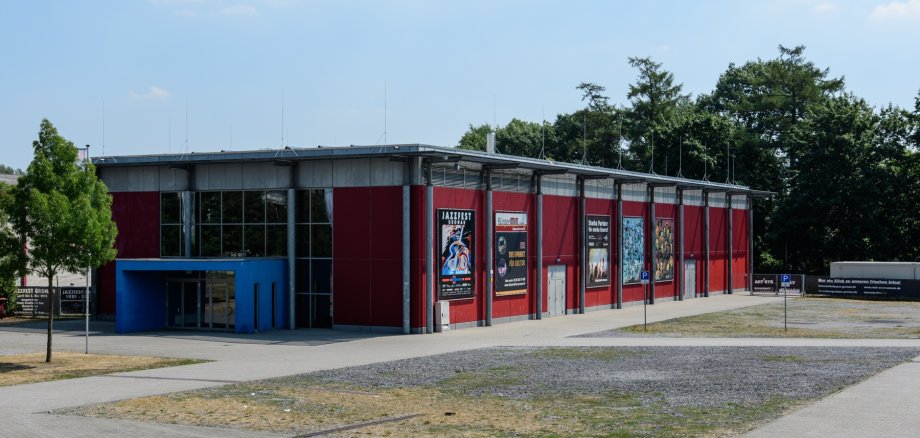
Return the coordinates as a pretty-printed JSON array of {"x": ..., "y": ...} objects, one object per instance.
[{"x": 8, "y": 291}]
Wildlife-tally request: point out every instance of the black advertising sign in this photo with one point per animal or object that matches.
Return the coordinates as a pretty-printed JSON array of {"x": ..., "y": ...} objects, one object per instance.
[
  {"x": 765, "y": 283},
  {"x": 456, "y": 239},
  {"x": 863, "y": 287},
  {"x": 510, "y": 253},
  {"x": 598, "y": 241}
]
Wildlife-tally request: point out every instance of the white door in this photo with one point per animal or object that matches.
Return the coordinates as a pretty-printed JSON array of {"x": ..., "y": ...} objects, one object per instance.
[
  {"x": 689, "y": 278},
  {"x": 556, "y": 295}
]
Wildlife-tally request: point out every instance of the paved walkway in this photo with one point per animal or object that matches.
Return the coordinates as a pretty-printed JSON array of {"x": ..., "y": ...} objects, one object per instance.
[{"x": 239, "y": 358}]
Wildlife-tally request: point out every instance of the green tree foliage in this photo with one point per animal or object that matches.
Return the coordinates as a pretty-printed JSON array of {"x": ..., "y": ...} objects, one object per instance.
[
  {"x": 7, "y": 170},
  {"x": 846, "y": 174},
  {"x": 64, "y": 212},
  {"x": 9, "y": 249}
]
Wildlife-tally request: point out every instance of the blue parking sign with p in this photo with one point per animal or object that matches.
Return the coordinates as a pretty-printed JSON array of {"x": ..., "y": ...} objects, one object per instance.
[
  {"x": 785, "y": 280},
  {"x": 644, "y": 277}
]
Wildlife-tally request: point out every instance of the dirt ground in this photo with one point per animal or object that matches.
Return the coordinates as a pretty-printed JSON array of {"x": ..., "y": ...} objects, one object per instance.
[{"x": 32, "y": 368}]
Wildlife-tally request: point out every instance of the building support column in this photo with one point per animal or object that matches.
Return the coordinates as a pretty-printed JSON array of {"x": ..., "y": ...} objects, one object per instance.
[
  {"x": 187, "y": 200},
  {"x": 538, "y": 180},
  {"x": 679, "y": 280},
  {"x": 750, "y": 244},
  {"x": 706, "y": 242},
  {"x": 731, "y": 263},
  {"x": 488, "y": 250},
  {"x": 429, "y": 250},
  {"x": 406, "y": 251},
  {"x": 584, "y": 246},
  {"x": 653, "y": 229},
  {"x": 292, "y": 255},
  {"x": 619, "y": 189}
]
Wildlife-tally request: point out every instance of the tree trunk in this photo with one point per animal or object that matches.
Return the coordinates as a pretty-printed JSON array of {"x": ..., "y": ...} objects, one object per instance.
[{"x": 50, "y": 315}]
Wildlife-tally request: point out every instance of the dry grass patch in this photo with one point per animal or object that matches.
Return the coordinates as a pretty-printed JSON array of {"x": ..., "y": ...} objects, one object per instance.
[
  {"x": 32, "y": 368},
  {"x": 807, "y": 318}
]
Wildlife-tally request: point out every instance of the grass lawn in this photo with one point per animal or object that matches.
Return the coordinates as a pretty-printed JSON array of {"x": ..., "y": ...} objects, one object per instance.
[
  {"x": 807, "y": 318},
  {"x": 618, "y": 392},
  {"x": 32, "y": 368}
]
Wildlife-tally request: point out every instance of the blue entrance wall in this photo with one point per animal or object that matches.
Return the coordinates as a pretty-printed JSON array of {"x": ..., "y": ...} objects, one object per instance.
[{"x": 140, "y": 291}]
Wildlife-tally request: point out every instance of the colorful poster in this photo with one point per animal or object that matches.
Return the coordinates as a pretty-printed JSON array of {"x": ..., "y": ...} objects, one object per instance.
[
  {"x": 457, "y": 269},
  {"x": 510, "y": 253},
  {"x": 664, "y": 249},
  {"x": 633, "y": 249},
  {"x": 598, "y": 241}
]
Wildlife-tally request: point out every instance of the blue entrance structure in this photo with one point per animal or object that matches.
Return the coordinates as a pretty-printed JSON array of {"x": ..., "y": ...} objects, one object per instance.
[{"x": 251, "y": 294}]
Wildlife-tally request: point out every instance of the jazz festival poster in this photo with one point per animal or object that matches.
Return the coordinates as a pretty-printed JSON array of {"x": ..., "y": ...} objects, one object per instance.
[
  {"x": 664, "y": 249},
  {"x": 633, "y": 249},
  {"x": 598, "y": 239},
  {"x": 510, "y": 253},
  {"x": 456, "y": 267}
]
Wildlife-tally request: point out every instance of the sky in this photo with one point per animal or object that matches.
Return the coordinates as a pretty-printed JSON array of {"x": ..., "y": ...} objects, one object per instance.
[{"x": 133, "y": 77}]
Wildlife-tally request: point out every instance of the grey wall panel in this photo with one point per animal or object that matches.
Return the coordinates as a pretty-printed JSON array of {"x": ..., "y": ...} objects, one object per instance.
[
  {"x": 717, "y": 200},
  {"x": 600, "y": 189},
  {"x": 560, "y": 185},
  {"x": 693, "y": 197},
  {"x": 252, "y": 175},
  {"x": 740, "y": 202},
  {"x": 666, "y": 195},
  {"x": 385, "y": 172},
  {"x": 172, "y": 180},
  {"x": 635, "y": 192},
  {"x": 351, "y": 173},
  {"x": 112, "y": 177}
]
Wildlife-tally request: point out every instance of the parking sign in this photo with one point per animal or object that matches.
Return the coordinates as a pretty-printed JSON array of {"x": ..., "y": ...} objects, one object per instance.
[
  {"x": 785, "y": 280},
  {"x": 644, "y": 277}
]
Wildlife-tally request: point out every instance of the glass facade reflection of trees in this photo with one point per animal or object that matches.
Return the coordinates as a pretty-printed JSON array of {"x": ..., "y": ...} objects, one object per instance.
[{"x": 227, "y": 224}]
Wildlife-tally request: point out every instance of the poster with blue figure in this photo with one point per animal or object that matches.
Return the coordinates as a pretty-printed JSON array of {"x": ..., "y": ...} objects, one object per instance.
[
  {"x": 456, "y": 238},
  {"x": 633, "y": 249}
]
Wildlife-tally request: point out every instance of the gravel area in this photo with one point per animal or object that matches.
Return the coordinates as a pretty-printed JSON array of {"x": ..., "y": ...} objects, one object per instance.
[{"x": 682, "y": 376}]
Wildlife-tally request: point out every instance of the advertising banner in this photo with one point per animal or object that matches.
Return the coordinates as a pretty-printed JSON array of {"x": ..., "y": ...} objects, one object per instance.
[
  {"x": 510, "y": 253},
  {"x": 866, "y": 287},
  {"x": 633, "y": 249},
  {"x": 765, "y": 283},
  {"x": 664, "y": 249},
  {"x": 598, "y": 241},
  {"x": 456, "y": 239}
]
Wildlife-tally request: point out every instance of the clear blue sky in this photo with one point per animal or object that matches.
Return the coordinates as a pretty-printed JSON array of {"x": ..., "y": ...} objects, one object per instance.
[{"x": 444, "y": 64}]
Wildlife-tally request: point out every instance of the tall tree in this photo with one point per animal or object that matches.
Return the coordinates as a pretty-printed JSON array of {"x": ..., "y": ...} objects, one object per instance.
[
  {"x": 63, "y": 211},
  {"x": 655, "y": 101},
  {"x": 9, "y": 249}
]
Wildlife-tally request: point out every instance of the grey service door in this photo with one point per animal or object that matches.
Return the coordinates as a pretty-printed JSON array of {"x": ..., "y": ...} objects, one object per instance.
[
  {"x": 689, "y": 278},
  {"x": 556, "y": 290}
]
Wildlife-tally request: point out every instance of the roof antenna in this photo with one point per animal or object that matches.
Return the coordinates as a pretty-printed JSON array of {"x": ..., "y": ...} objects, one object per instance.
[
  {"x": 186, "y": 124},
  {"x": 728, "y": 163},
  {"x": 384, "y": 112},
  {"x": 169, "y": 134},
  {"x": 651, "y": 168},
  {"x": 103, "y": 127},
  {"x": 584, "y": 140},
  {"x": 680, "y": 158},
  {"x": 543, "y": 134},
  {"x": 619, "y": 144},
  {"x": 705, "y": 163},
  {"x": 282, "y": 117}
]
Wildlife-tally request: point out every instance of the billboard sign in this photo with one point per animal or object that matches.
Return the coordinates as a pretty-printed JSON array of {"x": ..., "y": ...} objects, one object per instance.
[
  {"x": 598, "y": 241},
  {"x": 510, "y": 253},
  {"x": 664, "y": 249},
  {"x": 457, "y": 268},
  {"x": 633, "y": 249}
]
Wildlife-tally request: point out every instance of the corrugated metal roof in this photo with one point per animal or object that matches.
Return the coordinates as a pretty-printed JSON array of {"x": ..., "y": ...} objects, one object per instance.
[{"x": 435, "y": 153}]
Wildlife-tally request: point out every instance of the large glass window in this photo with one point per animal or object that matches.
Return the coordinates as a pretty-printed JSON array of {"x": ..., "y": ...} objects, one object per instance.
[
  {"x": 313, "y": 246},
  {"x": 250, "y": 223},
  {"x": 172, "y": 238}
]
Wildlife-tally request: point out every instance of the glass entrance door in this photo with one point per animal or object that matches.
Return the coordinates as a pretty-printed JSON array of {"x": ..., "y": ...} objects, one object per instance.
[{"x": 183, "y": 303}]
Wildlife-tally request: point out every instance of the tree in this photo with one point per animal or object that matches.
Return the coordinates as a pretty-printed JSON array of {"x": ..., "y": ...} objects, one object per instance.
[
  {"x": 7, "y": 170},
  {"x": 475, "y": 138},
  {"x": 655, "y": 106},
  {"x": 9, "y": 249},
  {"x": 64, "y": 212}
]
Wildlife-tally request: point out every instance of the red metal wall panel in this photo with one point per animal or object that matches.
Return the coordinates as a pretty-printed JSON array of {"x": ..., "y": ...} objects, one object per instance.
[
  {"x": 560, "y": 242},
  {"x": 607, "y": 295},
  {"x": 694, "y": 241},
  {"x": 636, "y": 292},
  {"x": 418, "y": 269},
  {"x": 718, "y": 269},
  {"x": 137, "y": 216},
  {"x": 666, "y": 289},
  {"x": 741, "y": 247},
  {"x": 367, "y": 246}
]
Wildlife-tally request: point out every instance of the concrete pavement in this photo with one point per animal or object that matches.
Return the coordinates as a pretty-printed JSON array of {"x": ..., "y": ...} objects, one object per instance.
[{"x": 250, "y": 357}]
